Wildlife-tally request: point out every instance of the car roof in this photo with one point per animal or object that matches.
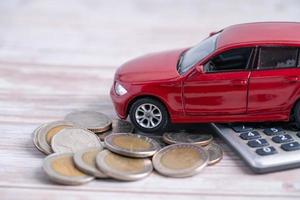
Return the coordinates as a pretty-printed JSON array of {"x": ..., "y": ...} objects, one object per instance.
[{"x": 260, "y": 33}]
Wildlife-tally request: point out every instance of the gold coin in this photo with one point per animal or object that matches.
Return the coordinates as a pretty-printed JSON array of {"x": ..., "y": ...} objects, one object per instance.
[
  {"x": 61, "y": 169},
  {"x": 131, "y": 142},
  {"x": 180, "y": 160},
  {"x": 90, "y": 157},
  {"x": 85, "y": 160},
  {"x": 132, "y": 145},
  {"x": 64, "y": 166},
  {"x": 118, "y": 126},
  {"x": 202, "y": 139},
  {"x": 215, "y": 153},
  {"x": 48, "y": 131},
  {"x": 123, "y": 168},
  {"x": 125, "y": 164},
  {"x": 53, "y": 131}
]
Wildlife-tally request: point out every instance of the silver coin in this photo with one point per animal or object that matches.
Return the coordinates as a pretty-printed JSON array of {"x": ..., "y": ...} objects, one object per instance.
[
  {"x": 215, "y": 153},
  {"x": 85, "y": 160},
  {"x": 94, "y": 121},
  {"x": 180, "y": 160},
  {"x": 202, "y": 139},
  {"x": 73, "y": 140},
  {"x": 123, "y": 168},
  {"x": 48, "y": 131},
  {"x": 36, "y": 133},
  {"x": 60, "y": 168},
  {"x": 132, "y": 145},
  {"x": 118, "y": 126}
]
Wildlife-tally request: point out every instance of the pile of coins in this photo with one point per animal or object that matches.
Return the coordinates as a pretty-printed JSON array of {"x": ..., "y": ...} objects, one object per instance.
[{"x": 88, "y": 145}]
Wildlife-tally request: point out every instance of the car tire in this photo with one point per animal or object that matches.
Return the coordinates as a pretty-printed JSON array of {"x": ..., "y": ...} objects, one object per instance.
[
  {"x": 149, "y": 115},
  {"x": 296, "y": 115}
]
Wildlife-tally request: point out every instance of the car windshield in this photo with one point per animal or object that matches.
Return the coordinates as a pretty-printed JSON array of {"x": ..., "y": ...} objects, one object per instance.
[{"x": 189, "y": 58}]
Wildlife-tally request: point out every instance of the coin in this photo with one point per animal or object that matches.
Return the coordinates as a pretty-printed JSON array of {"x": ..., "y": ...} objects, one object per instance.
[
  {"x": 215, "y": 153},
  {"x": 132, "y": 145},
  {"x": 48, "y": 131},
  {"x": 94, "y": 121},
  {"x": 118, "y": 126},
  {"x": 157, "y": 137},
  {"x": 184, "y": 137},
  {"x": 61, "y": 169},
  {"x": 36, "y": 133},
  {"x": 85, "y": 160},
  {"x": 74, "y": 139},
  {"x": 180, "y": 160},
  {"x": 159, "y": 140},
  {"x": 123, "y": 168}
]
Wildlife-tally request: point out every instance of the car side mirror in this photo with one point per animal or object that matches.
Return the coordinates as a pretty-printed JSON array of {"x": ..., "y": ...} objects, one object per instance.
[{"x": 200, "y": 68}]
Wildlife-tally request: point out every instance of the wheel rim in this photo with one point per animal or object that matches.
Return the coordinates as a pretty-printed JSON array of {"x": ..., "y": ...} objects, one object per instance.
[{"x": 148, "y": 115}]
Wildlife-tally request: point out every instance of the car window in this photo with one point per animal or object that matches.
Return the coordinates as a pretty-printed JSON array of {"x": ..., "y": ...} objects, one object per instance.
[
  {"x": 277, "y": 57},
  {"x": 232, "y": 60},
  {"x": 195, "y": 54}
]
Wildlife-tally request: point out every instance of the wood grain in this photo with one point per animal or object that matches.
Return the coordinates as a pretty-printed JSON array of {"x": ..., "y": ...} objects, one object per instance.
[{"x": 60, "y": 56}]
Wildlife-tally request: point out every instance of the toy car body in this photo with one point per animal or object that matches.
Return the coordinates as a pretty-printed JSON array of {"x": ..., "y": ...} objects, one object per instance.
[{"x": 243, "y": 73}]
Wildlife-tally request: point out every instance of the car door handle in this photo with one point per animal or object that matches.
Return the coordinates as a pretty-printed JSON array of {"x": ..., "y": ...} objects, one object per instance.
[
  {"x": 239, "y": 82},
  {"x": 293, "y": 79}
]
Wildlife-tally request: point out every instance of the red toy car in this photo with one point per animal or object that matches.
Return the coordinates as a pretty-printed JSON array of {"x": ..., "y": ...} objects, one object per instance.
[{"x": 243, "y": 73}]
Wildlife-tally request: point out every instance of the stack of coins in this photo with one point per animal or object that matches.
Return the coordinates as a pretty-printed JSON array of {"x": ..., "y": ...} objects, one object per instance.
[
  {"x": 88, "y": 145},
  {"x": 204, "y": 140}
]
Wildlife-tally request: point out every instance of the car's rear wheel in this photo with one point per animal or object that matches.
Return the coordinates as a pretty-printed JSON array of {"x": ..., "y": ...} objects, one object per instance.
[
  {"x": 149, "y": 115},
  {"x": 296, "y": 114}
]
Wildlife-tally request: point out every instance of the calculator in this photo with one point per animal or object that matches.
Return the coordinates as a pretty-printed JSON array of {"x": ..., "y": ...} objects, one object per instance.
[{"x": 264, "y": 147}]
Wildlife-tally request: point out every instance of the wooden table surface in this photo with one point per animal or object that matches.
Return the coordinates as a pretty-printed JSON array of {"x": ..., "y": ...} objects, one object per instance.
[{"x": 60, "y": 56}]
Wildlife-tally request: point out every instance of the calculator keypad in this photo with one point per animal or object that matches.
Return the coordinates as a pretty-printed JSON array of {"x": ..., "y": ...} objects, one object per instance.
[
  {"x": 273, "y": 131},
  {"x": 257, "y": 143},
  {"x": 241, "y": 128},
  {"x": 257, "y": 139},
  {"x": 251, "y": 135},
  {"x": 291, "y": 146},
  {"x": 282, "y": 138},
  {"x": 265, "y": 151}
]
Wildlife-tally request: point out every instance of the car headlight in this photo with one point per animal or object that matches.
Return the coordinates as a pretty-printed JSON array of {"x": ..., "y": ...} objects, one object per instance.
[{"x": 120, "y": 90}]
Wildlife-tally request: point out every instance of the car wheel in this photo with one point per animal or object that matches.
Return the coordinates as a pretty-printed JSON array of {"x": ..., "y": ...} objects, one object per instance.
[
  {"x": 296, "y": 115},
  {"x": 149, "y": 115}
]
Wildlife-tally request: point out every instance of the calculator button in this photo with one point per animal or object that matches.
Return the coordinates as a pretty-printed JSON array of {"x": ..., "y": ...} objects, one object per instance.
[
  {"x": 258, "y": 143},
  {"x": 282, "y": 138},
  {"x": 291, "y": 146},
  {"x": 251, "y": 135},
  {"x": 266, "y": 151},
  {"x": 241, "y": 128},
  {"x": 273, "y": 131}
]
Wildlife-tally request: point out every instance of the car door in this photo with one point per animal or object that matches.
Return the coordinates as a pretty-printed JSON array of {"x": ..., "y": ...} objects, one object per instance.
[
  {"x": 275, "y": 80},
  {"x": 222, "y": 86}
]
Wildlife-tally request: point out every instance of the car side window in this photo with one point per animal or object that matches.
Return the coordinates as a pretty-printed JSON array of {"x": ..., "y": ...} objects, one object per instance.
[
  {"x": 277, "y": 57},
  {"x": 232, "y": 60}
]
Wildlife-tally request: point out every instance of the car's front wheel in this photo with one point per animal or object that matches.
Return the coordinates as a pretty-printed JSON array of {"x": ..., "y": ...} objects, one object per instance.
[{"x": 149, "y": 115}]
